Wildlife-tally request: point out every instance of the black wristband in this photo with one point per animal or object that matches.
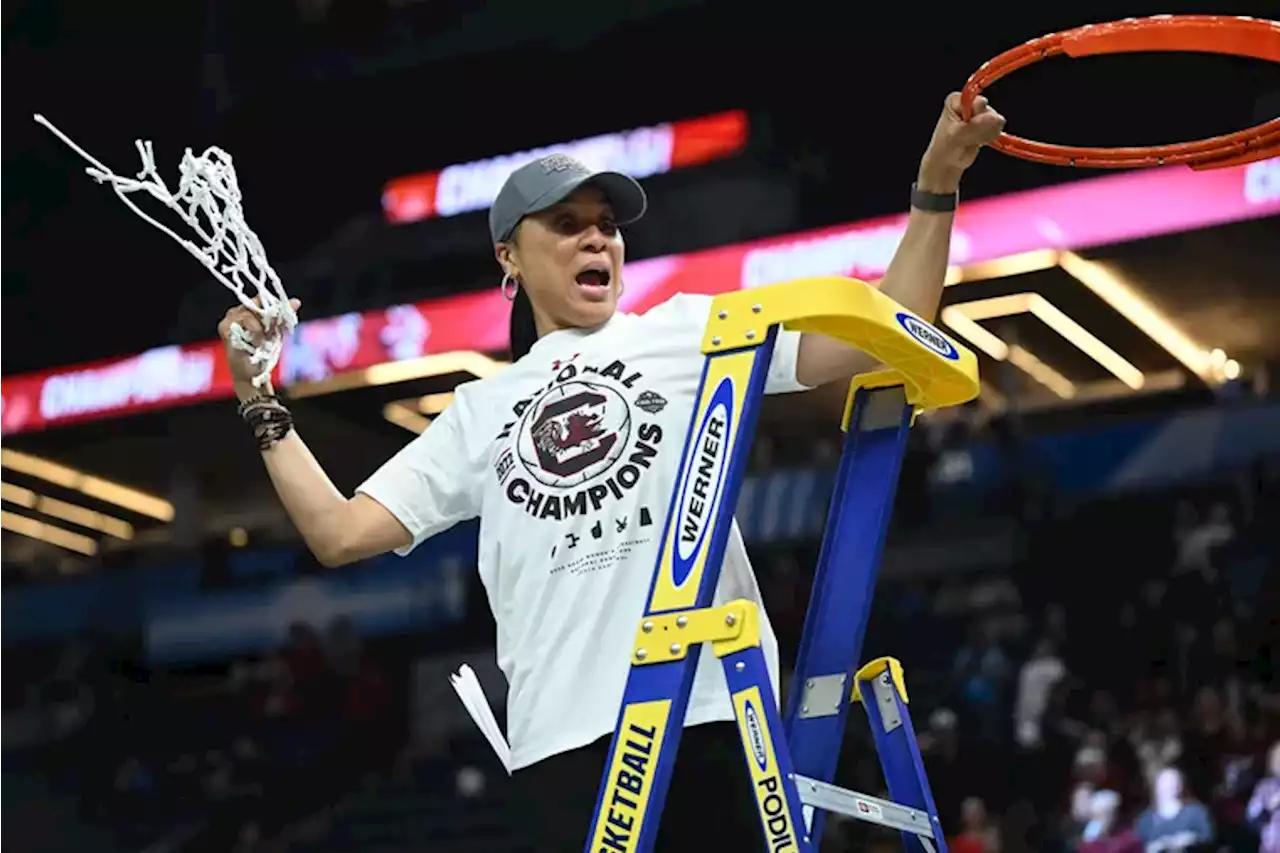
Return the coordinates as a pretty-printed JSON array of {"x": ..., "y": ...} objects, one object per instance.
[{"x": 934, "y": 202}]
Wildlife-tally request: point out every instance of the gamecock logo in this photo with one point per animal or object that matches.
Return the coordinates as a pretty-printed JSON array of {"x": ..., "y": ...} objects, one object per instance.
[{"x": 574, "y": 433}]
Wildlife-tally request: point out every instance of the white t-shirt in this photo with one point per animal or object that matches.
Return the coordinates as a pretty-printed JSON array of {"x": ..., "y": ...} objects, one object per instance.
[{"x": 569, "y": 458}]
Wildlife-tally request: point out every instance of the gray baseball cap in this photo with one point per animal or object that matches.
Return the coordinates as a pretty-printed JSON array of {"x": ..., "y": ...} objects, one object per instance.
[{"x": 550, "y": 180}]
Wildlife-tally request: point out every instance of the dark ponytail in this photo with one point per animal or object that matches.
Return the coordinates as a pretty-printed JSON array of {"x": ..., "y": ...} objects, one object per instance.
[{"x": 524, "y": 332}]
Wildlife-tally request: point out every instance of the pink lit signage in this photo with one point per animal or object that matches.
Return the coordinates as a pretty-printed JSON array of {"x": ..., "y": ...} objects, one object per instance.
[{"x": 1080, "y": 215}]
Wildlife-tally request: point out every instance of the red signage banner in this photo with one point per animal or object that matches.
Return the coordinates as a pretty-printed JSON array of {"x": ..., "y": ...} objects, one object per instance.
[
  {"x": 641, "y": 152},
  {"x": 1080, "y": 215}
]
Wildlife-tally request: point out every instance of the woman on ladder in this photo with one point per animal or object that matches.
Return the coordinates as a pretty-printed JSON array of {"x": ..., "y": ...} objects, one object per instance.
[{"x": 569, "y": 458}]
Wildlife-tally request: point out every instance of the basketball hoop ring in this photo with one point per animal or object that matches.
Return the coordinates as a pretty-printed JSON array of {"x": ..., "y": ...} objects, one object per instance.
[{"x": 1224, "y": 34}]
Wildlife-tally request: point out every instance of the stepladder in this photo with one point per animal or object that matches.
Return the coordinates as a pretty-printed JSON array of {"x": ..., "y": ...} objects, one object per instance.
[{"x": 791, "y": 759}]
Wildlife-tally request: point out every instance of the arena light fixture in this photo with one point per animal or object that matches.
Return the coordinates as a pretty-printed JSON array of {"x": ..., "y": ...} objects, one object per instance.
[
  {"x": 992, "y": 397},
  {"x": 1157, "y": 381},
  {"x": 1019, "y": 356},
  {"x": 1100, "y": 390},
  {"x": 1042, "y": 309},
  {"x": 69, "y": 512},
  {"x": 406, "y": 415},
  {"x": 1022, "y": 263},
  {"x": 1119, "y": 294},
  {"x": 1111, "y": 288},
  {"x": 1229, "y": 368},
  {"x": 1041, "y": 372},
  {"x": 388, "y": 373},
  {"x": 125, "y": 497},
  {"x": 988, "y": 342},
  {"x": 45, "y": 532},
  {"x": 416, "y": 415},
  {"x": 433, "y": 404}
]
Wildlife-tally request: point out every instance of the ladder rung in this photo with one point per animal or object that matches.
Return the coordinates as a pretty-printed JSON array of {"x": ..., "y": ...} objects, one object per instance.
[{"x": 864, "y": 807}]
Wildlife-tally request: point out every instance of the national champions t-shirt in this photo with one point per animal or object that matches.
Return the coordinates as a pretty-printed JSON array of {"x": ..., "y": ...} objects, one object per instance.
[{"x": 569, "y": 458}]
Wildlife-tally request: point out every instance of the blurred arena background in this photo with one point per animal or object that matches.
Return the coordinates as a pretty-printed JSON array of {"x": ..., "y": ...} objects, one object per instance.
[{"x": 1083, "y": 577}]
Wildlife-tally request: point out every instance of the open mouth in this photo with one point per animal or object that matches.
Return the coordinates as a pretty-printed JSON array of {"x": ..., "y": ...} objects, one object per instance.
[{"x": 594, "y": 278}]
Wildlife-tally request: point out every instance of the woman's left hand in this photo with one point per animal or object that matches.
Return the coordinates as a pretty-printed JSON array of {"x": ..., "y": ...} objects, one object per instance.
[{"x": 956, "y": 142}]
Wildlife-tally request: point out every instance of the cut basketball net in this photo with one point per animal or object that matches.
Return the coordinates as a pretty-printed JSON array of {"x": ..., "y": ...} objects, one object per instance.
[{"x": 208, "y": 200}]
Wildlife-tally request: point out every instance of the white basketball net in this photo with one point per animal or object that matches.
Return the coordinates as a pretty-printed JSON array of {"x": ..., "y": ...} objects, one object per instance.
[{"x": 208, "y": 200}]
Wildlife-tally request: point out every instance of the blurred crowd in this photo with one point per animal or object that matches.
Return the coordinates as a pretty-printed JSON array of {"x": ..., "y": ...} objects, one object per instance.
[
  {"x": 231, "y": 758},
  {"x": 1112, "y": 692}
]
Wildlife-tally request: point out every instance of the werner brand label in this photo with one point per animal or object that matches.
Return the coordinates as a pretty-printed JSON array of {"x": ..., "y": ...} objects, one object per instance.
[
  {"x": 928, "y": 336},
  {"x": 755, "y": 735},
  {"x": 705, "y": 468},
  {"x": 766, "y": 777},
  {"x": 702, "y": 497}
]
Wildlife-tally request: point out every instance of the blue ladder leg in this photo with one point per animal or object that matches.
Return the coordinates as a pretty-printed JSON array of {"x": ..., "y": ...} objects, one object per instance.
[
  {"x": 764, "y": 748},
  {"x": 882, "y": 690},
  {"x": 665, "y": 658},
  {"x": 876, "y": 432},
  {"x": 938, "y": 373}
]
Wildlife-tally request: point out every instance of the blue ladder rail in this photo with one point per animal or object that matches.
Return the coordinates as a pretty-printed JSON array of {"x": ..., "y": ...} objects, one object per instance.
[{"x": 791, "y": 760}]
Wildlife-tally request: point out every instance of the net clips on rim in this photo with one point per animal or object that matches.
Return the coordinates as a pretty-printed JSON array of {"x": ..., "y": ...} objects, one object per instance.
[{"x": 1222, "y": 34}]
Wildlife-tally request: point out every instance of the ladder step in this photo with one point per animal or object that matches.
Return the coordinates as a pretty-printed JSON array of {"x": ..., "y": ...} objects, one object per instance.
[{"x": 864, "y": 807}]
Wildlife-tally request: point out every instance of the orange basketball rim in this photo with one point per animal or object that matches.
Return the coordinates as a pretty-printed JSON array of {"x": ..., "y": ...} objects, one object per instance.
[{"x": 1224, "y": 34}]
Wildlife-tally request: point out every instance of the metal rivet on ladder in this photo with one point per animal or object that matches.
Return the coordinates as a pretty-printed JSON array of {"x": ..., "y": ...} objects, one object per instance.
[
  {"x": 739, "y": 666},
  {"x": 647, "y": 627},
  {"x": 757, "y": 308},
  {"x": 751, "y": 334},
  {"x": 809, "y": 683},
  {"x": 641, "y": 654},
  {"x": 681, "y": 621},
  {"x": 715, "y": 342},
  {"x": 723, "y": 315},
  {"x": 730, "y": 619},
  {"x": 675, "y": 648},
  {"x": 804, "y": 709}
]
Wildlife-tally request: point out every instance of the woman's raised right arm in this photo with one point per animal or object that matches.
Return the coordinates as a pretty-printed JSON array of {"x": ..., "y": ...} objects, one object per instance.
[{"x": 338, "y": 530}]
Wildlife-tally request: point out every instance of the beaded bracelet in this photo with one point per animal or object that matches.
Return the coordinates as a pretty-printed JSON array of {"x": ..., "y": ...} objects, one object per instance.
[{"x": 268, "y": 418}]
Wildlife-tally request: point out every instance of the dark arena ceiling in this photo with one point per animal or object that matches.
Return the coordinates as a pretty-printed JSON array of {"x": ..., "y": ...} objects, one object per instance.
[{"x": 840, "y": 110}]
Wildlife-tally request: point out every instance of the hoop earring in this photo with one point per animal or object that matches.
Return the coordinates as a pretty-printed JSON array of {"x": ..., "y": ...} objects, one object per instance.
[{"x": 510, "y": 286}]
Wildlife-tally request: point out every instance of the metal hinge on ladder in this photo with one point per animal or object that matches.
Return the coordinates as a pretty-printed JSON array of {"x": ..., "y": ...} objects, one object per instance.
[{"x": 867, "y": 808}]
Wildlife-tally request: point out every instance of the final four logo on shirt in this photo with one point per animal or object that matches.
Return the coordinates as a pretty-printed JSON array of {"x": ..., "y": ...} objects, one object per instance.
[{"x": 580, "y": 442}]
